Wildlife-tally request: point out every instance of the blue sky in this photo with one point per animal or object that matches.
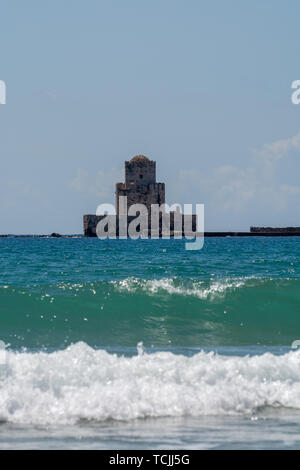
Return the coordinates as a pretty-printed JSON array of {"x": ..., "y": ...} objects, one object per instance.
[{"x": 202, "y": 87}]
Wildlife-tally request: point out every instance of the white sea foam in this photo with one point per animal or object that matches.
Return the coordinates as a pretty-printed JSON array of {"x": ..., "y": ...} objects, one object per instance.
[
  {"x": 200, "y": 289},
  {"x": 82, "y": 383}
]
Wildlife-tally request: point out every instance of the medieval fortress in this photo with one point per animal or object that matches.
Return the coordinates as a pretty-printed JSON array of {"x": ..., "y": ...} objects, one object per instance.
[{"x": 140, "y": 187}]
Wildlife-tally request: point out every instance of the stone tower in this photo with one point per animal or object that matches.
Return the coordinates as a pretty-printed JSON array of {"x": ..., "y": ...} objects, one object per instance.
[{"x": 140, "y": 185}]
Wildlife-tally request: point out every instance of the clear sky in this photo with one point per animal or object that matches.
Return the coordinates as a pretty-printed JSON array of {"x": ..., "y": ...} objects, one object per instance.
[{"x": 202, "y": 87}]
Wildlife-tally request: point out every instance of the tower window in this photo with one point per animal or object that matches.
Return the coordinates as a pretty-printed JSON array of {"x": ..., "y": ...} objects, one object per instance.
[{"x": 141, "y": 177}]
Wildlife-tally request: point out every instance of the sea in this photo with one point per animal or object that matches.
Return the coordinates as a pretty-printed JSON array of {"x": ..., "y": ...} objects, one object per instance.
[{"x": 142, "y": 344}]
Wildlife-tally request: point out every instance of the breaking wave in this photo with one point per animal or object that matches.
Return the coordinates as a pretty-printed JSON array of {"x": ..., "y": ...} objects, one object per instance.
[{"x": 81, "y": 383}]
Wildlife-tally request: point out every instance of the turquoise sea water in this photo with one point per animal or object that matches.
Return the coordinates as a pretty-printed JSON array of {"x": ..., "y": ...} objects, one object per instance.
[{"x": 136, "y": 344}]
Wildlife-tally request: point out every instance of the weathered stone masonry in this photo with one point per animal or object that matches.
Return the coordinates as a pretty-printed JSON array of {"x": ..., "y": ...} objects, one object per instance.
[{"x": 140, "y": 185}]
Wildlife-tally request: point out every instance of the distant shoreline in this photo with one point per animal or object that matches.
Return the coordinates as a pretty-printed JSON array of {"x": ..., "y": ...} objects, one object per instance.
[{"x": 206, "y": 234}]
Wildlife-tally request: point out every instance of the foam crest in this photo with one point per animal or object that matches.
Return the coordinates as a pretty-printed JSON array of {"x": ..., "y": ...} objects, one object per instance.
[
  {"x": 183, "y": 287},
  {"x": 80, "y": 383}
]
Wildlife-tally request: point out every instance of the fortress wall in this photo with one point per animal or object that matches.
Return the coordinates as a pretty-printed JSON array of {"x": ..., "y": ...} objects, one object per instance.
[
  {"x": 90, "y": 222},
  {"x": 145, "y": 194},
  {"x": 140, "y": 172}
]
